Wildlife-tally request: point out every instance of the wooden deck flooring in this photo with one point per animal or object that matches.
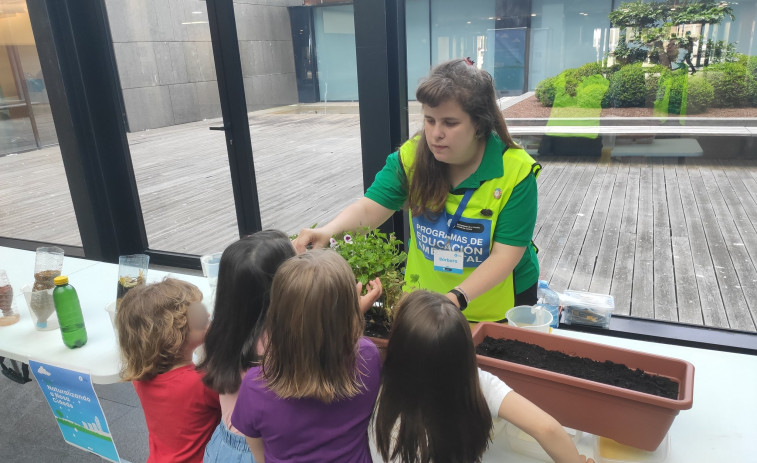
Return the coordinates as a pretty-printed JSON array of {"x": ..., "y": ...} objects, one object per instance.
[{"x": 669, "y": 241}]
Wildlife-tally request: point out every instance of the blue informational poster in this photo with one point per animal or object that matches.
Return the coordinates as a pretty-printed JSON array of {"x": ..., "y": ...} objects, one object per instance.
[{"x": 76, "y": 408}]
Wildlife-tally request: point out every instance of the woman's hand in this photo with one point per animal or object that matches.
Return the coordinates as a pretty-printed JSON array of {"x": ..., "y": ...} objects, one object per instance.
[
  {"x": 363, "y": 213},
  {"x": 374, "y": 290},
  {"x": 311, "y": 238}
]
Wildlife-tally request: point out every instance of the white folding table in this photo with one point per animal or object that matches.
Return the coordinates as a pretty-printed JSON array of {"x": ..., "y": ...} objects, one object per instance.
[
  {"x": 95, "y": 283},
  {"x": 721, "y": 425}
]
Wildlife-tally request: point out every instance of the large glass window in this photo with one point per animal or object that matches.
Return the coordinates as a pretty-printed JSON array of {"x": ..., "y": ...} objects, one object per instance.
[
  {"x": 308, "y": 165},
  {"x": 165, "y": 63},
  {"x": 337, "y": 62},
  {"x": 566, "y": 34},
  {"x": 35, "y": 203},
  {"x": 418, "y": 36}
]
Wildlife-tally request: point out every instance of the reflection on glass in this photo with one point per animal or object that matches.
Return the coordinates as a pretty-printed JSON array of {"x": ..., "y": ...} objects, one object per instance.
[
  {"x": 307, "y": 157},
  {"x": 165, "y": 64},
  {"x": 35, "y": 203},
  {"x": 25, "y": 119}
]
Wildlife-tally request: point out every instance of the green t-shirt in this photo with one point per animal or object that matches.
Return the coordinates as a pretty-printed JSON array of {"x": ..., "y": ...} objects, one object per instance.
[{"x": 515, "y": 225}]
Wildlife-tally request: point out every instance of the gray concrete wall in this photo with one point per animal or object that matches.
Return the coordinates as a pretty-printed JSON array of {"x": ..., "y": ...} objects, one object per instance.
[{"x": 165, "y": 58}]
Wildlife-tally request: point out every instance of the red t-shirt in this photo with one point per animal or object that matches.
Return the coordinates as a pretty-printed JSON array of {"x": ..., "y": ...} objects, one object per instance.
[{"x": 181, "y": 414}]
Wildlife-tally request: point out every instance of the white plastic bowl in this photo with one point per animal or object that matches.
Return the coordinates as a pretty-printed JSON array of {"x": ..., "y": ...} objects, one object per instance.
[{"x": 532, "y": 318}]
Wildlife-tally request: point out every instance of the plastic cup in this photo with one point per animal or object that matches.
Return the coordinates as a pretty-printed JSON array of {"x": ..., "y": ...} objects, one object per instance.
[
  {"x": 535, "y": 318},
  {"x": 210, "y": 264},
  {"x": 132, "y": 271},
  {"x": 111, "y": 309}
]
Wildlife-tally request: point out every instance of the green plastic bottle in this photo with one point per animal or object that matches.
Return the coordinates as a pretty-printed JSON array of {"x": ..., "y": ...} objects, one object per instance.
[{"x": 69, "y": 313}]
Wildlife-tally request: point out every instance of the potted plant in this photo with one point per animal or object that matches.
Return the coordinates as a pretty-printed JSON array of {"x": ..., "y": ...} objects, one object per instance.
[
  {"x": 632, "y": 418},
  {"x": 373, "y": 254}
]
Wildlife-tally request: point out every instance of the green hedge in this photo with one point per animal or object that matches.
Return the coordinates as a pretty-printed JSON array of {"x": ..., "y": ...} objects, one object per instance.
[
  {"x": 751, "y": 66},
  {"x": 591, "y": 91},
  {"x": 701, "y": 94},
  {"x": 545, "y": 91},
  {"x": 652, "y": 83},
  {"x": 627, "y": 88},
  {"x": 731, "y": 84}
]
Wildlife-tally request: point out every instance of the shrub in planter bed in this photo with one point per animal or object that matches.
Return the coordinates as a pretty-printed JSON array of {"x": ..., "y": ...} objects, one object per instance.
[
  {"x": 679, "y": 93},
  {"x": 566, "y": 83},
  {"x": 730, "y": 82},
  {"x": 591, "y": 91},
  {"x": 627, "y": 88},
  {"x": 700, "y": 94},
  {"x": 751, "y": 66},
  {"x": 545, "y": 91},
  {"x": 652, "y": 82}
]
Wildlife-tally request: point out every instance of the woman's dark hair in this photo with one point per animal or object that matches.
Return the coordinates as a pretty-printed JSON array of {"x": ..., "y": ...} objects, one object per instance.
[
  {"x": 473, "y": 90},
  {"x": 242, "y": 296},
  {"x": 429, "y": 386}
]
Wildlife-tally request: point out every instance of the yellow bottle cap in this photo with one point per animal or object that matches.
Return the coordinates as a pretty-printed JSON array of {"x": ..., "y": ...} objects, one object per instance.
[{"x": 60, "y": 281}]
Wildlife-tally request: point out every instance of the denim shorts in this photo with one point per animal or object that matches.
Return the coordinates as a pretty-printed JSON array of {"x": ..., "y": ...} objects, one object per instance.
[{"x": 227, "y": 447}]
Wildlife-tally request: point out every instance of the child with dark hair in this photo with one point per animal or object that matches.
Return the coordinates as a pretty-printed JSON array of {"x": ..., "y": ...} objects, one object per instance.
[
  {"x": 311, "y": 397},
  {"x": 232, "y": 344},
  {"x": 159, "y": 327},
  {"x": 435, "y": 405}
]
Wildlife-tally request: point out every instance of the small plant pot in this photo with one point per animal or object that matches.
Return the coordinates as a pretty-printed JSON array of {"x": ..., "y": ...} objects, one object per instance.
[{"x": 629, "y": 417}]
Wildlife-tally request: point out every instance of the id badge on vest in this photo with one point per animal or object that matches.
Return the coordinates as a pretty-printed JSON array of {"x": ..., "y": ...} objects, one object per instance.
[
  {"x": 453, "y": 244},
  {"x": 448, "y": 261}
]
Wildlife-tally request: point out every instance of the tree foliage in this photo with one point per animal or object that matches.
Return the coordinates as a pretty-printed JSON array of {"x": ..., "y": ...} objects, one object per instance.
[{"x": 651, "y": 27}]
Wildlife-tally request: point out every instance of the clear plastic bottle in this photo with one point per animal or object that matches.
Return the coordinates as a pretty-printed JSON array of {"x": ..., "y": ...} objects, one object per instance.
[
  {"x": 8, "y": 316},
  {"x": 69, "y": 313},
  {"x": 550, "y": 300}
]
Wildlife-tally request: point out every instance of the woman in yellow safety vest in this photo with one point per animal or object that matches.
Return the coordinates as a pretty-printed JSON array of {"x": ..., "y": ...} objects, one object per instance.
[{"x": 471, "y": 194}]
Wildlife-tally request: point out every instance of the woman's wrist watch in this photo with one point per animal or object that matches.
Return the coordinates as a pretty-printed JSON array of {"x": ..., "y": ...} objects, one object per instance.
[{"x": 462, "y": 297}]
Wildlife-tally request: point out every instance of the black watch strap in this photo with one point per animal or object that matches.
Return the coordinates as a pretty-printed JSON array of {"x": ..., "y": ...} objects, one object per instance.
[{"x": 461, "y": 301}]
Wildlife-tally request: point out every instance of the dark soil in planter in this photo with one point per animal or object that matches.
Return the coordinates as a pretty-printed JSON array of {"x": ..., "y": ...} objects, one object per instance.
[
  {"x": 606, "y": 372},
  {"x": 376, "y": 323}
]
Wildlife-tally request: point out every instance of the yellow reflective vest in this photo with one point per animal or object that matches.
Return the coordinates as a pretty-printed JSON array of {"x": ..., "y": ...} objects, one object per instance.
[{"x": 472, "y": 235}]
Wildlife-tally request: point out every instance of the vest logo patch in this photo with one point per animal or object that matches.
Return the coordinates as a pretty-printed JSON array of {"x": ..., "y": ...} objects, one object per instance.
[
  {"x": 471, "y": 237},
  {"x": 498, "y": 193}
]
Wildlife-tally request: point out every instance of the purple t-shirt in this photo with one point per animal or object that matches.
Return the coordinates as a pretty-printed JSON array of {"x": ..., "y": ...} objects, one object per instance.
[{"x": 308, "y": 430}]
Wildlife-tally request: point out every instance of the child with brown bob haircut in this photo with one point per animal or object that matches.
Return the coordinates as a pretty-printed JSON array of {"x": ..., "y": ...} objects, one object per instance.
[
  {"x": 311, "y": 397},
  {"x": 159, "y": 327},
  {"x": 436, "y": 405}
]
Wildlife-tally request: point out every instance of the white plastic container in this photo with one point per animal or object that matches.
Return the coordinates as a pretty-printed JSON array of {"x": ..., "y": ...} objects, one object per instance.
[
  {"x": 582, "y": 308},
  {"x": 524, "y": 444},
  {"x": 535, "y": 317},
  {"x": 111, "y": 309},
  {"x": 51, "y": 321},
  {"x": 608, "y": 451}
]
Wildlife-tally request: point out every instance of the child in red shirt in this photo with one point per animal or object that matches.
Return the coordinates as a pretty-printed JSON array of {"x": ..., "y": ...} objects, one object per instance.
[{"x": 159, "y": 326}]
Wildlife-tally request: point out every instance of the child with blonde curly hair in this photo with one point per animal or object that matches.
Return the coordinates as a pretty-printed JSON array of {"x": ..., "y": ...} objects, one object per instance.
[{"x": 159, "y": 327}]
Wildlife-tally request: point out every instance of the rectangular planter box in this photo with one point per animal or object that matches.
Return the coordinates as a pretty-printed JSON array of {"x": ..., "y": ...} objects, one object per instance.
[{"x": 631, "y": 418}]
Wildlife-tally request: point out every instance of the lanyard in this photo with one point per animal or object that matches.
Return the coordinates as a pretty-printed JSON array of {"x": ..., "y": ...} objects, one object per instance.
[{"x": 458, "y": 213}]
